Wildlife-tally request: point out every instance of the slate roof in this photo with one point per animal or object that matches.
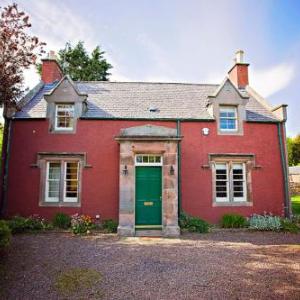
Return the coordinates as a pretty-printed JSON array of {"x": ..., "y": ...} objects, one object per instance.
[{"x": 135, "y": 99}]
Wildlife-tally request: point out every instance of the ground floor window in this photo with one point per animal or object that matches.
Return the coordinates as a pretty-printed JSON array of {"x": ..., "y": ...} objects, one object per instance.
[
  {"x": 62, "y": 181},
  {"x": 230, "y": 182}
]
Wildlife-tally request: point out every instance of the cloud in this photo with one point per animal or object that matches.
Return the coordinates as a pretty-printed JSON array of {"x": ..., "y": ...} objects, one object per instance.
[
  {"x": 273, "y": 79},
  {"x": 57, "y": 23}
]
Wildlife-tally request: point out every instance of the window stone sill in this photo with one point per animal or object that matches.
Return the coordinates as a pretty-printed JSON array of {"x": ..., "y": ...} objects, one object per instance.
[
  {"x": 60, "y": 204},
  {"x": 230, "y": 204}
]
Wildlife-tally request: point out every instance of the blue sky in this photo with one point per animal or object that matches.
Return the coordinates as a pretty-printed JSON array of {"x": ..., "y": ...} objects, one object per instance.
[{"x": 186, "y": 41}]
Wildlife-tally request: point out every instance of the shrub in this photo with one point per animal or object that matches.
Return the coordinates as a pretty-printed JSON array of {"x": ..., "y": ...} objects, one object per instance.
[
  {"x": 265, "y": 222},
  {"x": 19, "y": 224},
  {"x": 193, "y": 224},
  {"x": 233, "y": 221},
  {"x": 288, "y": 225},
  {"x": 110, "y": 226},
  {"x": 5, "y": 234},
  {"x": 81, "y": 224},
  {"x": 62, "y": 220}
]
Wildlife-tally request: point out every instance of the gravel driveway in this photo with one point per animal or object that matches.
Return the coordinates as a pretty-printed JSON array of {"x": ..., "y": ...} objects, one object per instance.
[{"x": 218, "y": 265}]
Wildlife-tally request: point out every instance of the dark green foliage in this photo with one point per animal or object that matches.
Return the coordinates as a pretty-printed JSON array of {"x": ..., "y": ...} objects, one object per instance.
[
  {"x": 5, "y": 234},
  {"x": 110, "y": 226},
  {"x": 233, "y": 221},
  {"x": 193, "y": 224},
  {"x": 288, "y": 225},
  {"x": 293, "y": 147},
  {"x": 82, "y": 66},
  {"x": 61, "y": 220},
  {"x": 19, "y": 224}
]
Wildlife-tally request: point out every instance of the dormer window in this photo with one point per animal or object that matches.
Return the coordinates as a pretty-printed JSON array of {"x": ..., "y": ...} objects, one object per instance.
[
  {"x": 228, "y": 118},
  {"x": 64, "y": 117}
]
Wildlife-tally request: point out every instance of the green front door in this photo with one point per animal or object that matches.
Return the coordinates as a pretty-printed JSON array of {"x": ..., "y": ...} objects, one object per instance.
[{"x": 148, "y": 188}]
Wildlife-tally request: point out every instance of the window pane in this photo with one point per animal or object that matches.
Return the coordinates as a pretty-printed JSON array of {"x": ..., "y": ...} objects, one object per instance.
[
  {"x": 71, "y": 182},
  {"x": 53, "y": 182},
  {"x": 151, "y": 159},
  {"x": 53, "y": 189},
  {"x": 221, "y": 182},
  {"x": 139, "y": 159},
  {"x": 221, "y": 167},
  {"x": 238, "y": 181},
  {"x": 65, "y": 116},
  {"x": 145, "y": 159},
  {"x": 228, "y": 118},
  {"x": 230, "y": 124},
  {"x": 157, "y": 159}
]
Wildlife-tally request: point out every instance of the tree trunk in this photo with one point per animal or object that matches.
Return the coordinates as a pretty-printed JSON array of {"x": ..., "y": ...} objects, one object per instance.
[{"x": 4, "y": 163}]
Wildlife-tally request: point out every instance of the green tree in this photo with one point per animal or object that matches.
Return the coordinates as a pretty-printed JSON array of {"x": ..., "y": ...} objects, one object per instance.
[
  {"x": 293, "y": 147},
  {"x": 76, "y": 62}
]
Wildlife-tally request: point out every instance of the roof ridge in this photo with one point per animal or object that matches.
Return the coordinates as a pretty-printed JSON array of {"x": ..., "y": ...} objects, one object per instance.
[{"x": 145, "y": 82}]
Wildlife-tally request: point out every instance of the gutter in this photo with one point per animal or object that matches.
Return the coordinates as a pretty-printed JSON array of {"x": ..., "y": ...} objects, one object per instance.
[
  {"x": 287, "y": 202},
  {"x": 179, "y": 168}
]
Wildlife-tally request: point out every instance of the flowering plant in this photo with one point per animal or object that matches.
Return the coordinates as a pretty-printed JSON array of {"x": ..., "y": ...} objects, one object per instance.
[{"x": 81, "y": 224}]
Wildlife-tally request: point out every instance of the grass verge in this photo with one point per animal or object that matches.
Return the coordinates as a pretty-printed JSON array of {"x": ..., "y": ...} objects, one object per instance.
[
  {"x": 296, "y": 205},
  {"x": 79, "y": 282}
]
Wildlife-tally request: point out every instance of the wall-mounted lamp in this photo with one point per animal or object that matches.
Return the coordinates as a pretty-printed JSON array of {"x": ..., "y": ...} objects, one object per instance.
[
  {"x": 125, "y": 170},
  {"x": 172, "y": 171},
  {"x": 205, "y": 131}
]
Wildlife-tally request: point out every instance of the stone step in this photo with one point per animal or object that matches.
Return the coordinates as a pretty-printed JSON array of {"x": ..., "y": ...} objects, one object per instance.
[{"x": 152, "y": 233}]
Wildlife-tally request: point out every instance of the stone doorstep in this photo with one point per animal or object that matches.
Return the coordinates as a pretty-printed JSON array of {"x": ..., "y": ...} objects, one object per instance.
[{"x": 149, "y": 232}]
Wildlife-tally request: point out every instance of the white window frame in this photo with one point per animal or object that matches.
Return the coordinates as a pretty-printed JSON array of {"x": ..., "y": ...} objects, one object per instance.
[
  {"x": 230, "y": 191},
  {"x": 65, "y": 198},
  {"x": 244, "y": 198},
  {"x": 47, "y": 198},
  {"x": 149, "y": 164},
  {"x": 62, "y": 199},
  {"x": 71, "y": 110},
  {"x": 222, "y": 199},
  {"x": 230, "y": 109}
]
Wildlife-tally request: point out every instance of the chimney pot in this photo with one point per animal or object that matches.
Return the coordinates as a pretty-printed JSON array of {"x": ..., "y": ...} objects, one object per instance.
[
  {"x": 239, "y": 56},
  {"x": 52, "y": 55}
]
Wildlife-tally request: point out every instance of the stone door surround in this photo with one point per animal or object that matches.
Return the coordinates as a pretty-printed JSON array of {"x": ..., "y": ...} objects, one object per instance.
[{"x": 148, "y": 139}]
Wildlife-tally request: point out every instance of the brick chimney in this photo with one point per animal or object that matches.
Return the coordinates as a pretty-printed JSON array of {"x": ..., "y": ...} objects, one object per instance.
[
  {"x": 51, "y": 70},
  {"x": 238, "y": 74}
]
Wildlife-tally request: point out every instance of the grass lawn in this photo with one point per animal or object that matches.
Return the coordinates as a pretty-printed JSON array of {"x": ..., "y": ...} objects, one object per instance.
[{"x": 296, "y": 205}]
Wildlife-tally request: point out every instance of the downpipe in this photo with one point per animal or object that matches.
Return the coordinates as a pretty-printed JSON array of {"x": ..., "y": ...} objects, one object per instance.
[{"x": 284, "y": 165}]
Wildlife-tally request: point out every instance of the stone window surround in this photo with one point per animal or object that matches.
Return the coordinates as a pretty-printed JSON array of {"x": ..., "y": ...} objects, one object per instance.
[
  {"x": 65, "y": 92},
  {"x": 168, "y": 150},
  {"x": 239, "y": 120},
  {"x": 42, "y": 159},
  {"x": 249, "y": 161}
]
